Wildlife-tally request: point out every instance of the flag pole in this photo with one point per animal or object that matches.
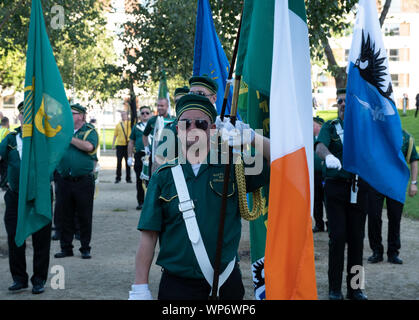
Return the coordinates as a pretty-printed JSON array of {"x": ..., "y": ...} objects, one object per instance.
[
  {"x": 230, "y": 72},
  {"x": 233, "y": 113}
]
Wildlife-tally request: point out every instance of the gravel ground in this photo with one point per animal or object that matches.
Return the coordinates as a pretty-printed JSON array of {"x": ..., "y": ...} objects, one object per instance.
[{"x": 110, "y": 272}]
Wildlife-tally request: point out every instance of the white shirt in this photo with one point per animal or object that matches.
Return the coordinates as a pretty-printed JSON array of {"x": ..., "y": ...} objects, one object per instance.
[
  {"x": 19, "y": 145},
  {"x": 195, "y": 168}
]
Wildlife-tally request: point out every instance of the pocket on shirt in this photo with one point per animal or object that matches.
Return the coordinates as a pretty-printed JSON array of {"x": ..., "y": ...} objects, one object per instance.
[{"x": 218, "y": 187}]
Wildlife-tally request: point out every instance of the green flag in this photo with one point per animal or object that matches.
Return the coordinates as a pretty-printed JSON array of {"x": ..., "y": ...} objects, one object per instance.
[
  {"x": 163, "y": 90},
  {"x": 254, "y": 58},
  {"x": 47, "y": 129},
  {"x": 254, "y": 64}
]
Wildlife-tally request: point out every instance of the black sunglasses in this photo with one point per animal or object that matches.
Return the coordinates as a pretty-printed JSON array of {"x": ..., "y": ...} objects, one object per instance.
[
  {"x": 143, "y": 113},
  {"x": 340, "y": 100},
  {"x": 200, "y": 93},
  {"x": 199, "y": 123}
]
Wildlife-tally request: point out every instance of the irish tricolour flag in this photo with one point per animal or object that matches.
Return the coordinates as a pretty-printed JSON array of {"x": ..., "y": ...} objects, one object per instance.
[{"x": 289, "y": 255}]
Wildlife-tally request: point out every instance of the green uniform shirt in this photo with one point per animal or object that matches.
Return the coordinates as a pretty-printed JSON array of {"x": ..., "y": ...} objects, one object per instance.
[
  {"x": 161, "y": 213},
  {"x": 171, "y": 147},
  {"x": 9, "y": 154},
  {"x": 329, "y": 137},
  {"x": 152, "y": 123},
  {"x": 318, "y": 163},
  {"x": 137, "y": 136},
  {"x": 405, "y": 147},
  {"x": 76, "y": 163}
]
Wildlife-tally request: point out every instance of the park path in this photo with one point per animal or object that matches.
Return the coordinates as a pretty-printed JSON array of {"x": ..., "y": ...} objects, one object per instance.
[{"x": 110, "y": 272}]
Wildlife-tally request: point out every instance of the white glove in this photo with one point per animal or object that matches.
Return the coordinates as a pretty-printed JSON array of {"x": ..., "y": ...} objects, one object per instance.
[
  {"x": 140, "y": 292},
  {"x": 130, "y": 161},
  {"x": 147, "y": 150},
  {"x": 332, "y": 162},
  {"x": 236, "y": 135}
]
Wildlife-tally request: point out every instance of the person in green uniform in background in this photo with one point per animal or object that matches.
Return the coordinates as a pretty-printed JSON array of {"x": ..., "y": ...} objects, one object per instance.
[
  {"x": 162, "y": 218},
  {"x": 76, "y": 184},
  {"x": 318, "y": 181},
  {"x": 11, "y": 153},
  {"x": 168, "y": 146},
  {"x": 394, "y": 210},
  {"x": 4, "y": 131},
  {"x": 345, "y": 209},
  {"x": 154, "y": 127},
  {"x": 136, "y": 141}
]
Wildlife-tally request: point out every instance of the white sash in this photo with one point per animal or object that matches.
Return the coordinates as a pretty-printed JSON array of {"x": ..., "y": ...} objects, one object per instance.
[
  {"x": 186, "y": 206},
  {"x": 339, "y": 131}
]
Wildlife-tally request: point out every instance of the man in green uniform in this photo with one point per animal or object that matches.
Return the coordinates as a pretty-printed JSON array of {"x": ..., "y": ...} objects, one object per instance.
[
  {"x": 168, "y": 145},
  {"x": 184, "y": 230},
  {"x": 136, "y": 141},
  {"x": 394, "y": 210},
  {"x": 11, "y": 152},
  {"x": 318, "y": 181},
  {"x": 76, "y": 185},
  {"x": 345, "y": 208},
  {"x": 154, "y": 127}
]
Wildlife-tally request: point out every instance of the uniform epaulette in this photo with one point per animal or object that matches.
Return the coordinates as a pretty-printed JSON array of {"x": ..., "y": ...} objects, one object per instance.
[
  {"x": 170, "y": 164},
  {"x": 90, "y": 126}
]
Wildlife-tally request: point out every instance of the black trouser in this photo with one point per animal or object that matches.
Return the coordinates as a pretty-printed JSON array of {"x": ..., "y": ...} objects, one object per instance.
[
  {"x": 417, "y": 109},
  {"x": 177, "y": 288},
  {"x": 346, "y": 225},
  {"x": 318, "y": 200},
  {"x": 76, "y": 198},
  {"x": 58, "y": 211},
  {"x": 122, "y": 153},
  {"x": 394, "y": 214},
  {"x": 3, "y": 173},
  {"x": 41, "y": 242},
  {"x": 138, "y": 167}
]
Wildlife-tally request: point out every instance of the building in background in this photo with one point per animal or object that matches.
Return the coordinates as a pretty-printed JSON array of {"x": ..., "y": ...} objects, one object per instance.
[{"x": 401, "y": 34}]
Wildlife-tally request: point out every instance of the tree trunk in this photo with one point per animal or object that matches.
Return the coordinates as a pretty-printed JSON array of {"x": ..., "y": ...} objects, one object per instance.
[
  {"x": 133, "y": 105},
  {"x": 384, "y": 12},
  {"x": 339, "y": 73}
]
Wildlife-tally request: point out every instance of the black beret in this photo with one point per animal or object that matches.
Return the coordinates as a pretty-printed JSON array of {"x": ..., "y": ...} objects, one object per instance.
[{"x": 196, "y": 102}]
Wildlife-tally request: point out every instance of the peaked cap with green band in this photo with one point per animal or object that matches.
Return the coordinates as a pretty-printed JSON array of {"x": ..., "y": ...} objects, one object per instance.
[
  {"x": 204, "y": 81},
  {"x": 79, "y": 108},
  {"x": 145, "y": 107},
  {"x": 181, "y": 91},
  {"x": 340, "y": 91},
  {"x": 196, "y": 102},
  {"x": 318, "y": 120}
]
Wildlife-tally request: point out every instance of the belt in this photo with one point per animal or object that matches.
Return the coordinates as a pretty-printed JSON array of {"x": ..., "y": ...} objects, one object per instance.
[{"x": 77, "y": 179}]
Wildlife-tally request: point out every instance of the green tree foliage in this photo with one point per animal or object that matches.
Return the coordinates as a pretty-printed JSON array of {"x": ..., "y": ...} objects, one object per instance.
[
  {"x": 328, "y": 19},
  {"x": 160, "y": 35},
  {"x": 82, "y": 47}
]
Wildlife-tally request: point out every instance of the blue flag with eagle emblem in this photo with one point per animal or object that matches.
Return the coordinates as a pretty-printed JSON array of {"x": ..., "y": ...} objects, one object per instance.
[
  {"x": 46, "y": 131},
  {"x": 209, "y": 56},
  {"x": 372, "y": 129}
]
